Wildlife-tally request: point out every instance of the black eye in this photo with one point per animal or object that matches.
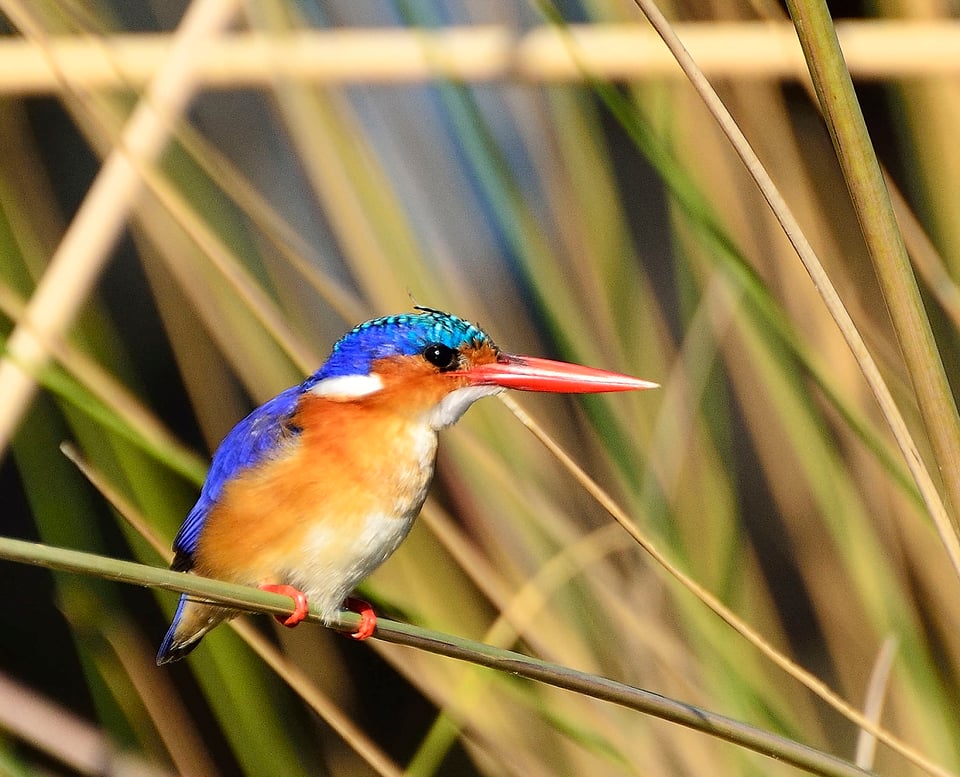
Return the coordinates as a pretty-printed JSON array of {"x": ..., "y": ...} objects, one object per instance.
[{"x": 441, "y": 356}]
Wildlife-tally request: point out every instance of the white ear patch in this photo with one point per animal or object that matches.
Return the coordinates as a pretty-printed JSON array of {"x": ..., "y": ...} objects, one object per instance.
[
  {"x": 455, "y": 404},
  {"x": 347, "y": 386}
]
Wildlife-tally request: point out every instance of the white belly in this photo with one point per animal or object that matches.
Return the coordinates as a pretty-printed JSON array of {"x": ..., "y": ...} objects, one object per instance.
[
  {"x": 333, "y": 568},
  {"x": 335, "y": 559}
]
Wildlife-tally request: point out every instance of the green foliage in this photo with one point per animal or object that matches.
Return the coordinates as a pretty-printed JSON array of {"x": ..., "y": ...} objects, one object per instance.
[{"x": 604, "y": 223}]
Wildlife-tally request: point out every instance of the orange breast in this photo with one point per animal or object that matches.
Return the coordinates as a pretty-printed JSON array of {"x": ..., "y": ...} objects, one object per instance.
[{"x": 321, "y": 503}]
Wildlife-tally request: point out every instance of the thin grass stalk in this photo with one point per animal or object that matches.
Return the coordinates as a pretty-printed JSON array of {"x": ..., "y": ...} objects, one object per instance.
[
  {"x": 107, "y": 398},
  {"x": 763, "y": 306},
  {"x": 864, "y": 178},
  {"x": 105, "y": 131},
  {"x": 873, "y": 703},
  {"x": 475, "y": 54},
  {"x": 766, "y": 309},
  {"x": 292, "y": 248},
  {"x": 255, "y": 600},
  {"x": 239, "y": 316},
  {"x": 513, "y": 623},
  {"x": 325, "y": 707},
  {"x": 901, "y": 432},
  {"x": 879, "y": 40},
  {"x": 64, "y": 736},
  {"x": 86, "y": 246},
  {"x": 184, "y": 743},
  {"x": 809, "y": 680}
]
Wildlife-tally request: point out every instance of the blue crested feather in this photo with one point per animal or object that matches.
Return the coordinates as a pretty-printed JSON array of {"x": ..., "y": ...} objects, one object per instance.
[
  {"x": 406, "y": 334},
  {"x": 258, "y": 435}
]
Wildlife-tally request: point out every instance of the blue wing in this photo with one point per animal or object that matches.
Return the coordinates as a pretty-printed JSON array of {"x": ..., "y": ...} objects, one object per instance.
[{"x": 253, "y": 439}]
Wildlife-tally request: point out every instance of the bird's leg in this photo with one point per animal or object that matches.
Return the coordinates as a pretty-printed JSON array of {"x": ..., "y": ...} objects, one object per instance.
[
  {"x": 368, "y": 618},
  {"x": 301, "y": 609}
]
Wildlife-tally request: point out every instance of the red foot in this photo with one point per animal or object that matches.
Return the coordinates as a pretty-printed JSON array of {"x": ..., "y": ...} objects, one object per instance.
[
  {"x": 368, "y": 618},
  {"x": 301, "y": 610}
]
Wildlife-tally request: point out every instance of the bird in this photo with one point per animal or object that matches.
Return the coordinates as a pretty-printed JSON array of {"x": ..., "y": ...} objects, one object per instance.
[{"x": 318, "y": 486}]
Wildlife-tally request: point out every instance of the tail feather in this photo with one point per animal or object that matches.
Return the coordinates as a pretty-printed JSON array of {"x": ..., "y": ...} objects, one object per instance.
[{"x": 192, "y": 620}]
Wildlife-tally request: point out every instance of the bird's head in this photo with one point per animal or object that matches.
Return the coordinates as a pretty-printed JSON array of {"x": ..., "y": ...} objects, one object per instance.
[{"x": 437, "y": 364}]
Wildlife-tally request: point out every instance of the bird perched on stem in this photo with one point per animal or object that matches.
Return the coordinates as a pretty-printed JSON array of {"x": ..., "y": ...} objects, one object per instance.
[{"x": 318, "y": 486}]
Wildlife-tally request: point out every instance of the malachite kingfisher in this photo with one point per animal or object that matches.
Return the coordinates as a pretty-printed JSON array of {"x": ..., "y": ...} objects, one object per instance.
[{"x": 315, "y": 488}]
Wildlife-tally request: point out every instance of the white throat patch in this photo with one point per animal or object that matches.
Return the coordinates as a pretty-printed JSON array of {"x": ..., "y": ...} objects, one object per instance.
[
  {"x": 347, "y": 386},
  {"x": 449, "y": 409}
]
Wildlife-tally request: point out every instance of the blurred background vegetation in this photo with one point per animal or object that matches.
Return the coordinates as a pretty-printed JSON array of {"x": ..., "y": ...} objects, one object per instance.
[{"x": 601, "y": 222}]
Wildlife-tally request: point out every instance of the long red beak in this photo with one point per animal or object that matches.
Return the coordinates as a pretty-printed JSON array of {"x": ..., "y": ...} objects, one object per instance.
[{"x": 530, "y": 373}]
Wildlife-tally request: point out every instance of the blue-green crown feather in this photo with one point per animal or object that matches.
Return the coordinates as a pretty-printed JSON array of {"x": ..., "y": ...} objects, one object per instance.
[{"x": 406, "y": 334}]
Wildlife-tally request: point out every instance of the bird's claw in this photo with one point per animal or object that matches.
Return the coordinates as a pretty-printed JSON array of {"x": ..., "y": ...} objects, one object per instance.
[
  {"x": 368, "y": 618},
  {"x": 301, "y": 608}
]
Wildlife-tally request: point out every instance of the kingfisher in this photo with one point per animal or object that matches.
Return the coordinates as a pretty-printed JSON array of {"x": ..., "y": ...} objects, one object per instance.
[{"x": 318, "y": 486}]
